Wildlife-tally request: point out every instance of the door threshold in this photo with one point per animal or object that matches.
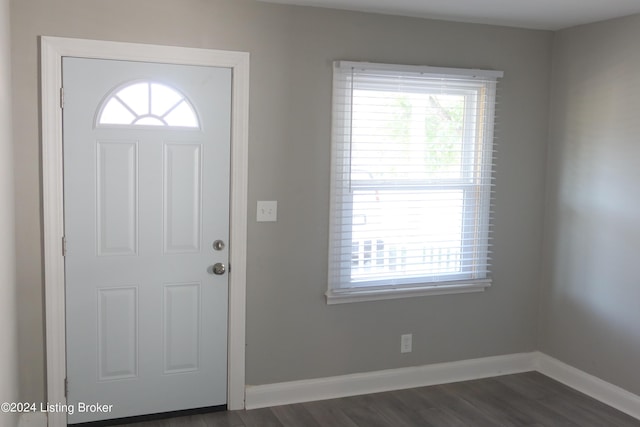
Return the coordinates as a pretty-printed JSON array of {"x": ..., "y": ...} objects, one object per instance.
[{"x": 152, "y": 417}]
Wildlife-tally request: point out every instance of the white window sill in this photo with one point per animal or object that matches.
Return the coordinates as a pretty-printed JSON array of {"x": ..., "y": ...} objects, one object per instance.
[{"x": 342, "y": 296}]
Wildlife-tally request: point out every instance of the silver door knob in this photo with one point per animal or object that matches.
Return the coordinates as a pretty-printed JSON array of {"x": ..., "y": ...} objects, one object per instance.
[
  {"x": 219, "y": 268},
  {"x": 218, "y": 245}
]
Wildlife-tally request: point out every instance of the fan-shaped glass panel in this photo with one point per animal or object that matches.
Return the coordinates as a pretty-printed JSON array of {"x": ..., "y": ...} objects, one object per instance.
[{"x": 148, "y": 104}]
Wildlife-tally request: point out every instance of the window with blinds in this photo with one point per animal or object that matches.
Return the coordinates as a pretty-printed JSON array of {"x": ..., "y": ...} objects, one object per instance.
[{"x": 411, "y": 184}]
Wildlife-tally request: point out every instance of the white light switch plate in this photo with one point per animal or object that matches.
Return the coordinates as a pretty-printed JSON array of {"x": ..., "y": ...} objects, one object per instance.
[
  {"x": 406, "y": 343},
  {"x": 267, "y": 211}
]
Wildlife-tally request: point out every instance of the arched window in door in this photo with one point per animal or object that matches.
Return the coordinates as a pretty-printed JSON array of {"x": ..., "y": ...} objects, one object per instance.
[{"x": 147, "y": 103}]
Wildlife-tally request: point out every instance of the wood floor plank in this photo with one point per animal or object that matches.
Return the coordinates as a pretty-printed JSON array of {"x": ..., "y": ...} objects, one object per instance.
[
  {"x": 588, "y": 412},
  {"x": 409, "y": 403},
  {"x": 541, "y": 415},
  {"x": 531, "y": 385},
  {"x": 519, "y": 408},
  {"x": 259, "y": 418},
  {"x": 364, "y": 410},
  {"x": 328, "y": 413},
  {"x": 366, "y": 417},
  {"x": 441, "y": 417},
  {"x": 218, "y": 419},
  {"x": 398, "y": 414},
  {"x": 448, "y": 396},
  {"x": 493, "y": 403},
  {"x": 411, "y": 398},
  {"x": 294, "y": 416}
]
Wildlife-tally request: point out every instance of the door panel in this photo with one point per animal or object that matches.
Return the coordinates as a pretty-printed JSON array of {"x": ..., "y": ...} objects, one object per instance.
[
  {"x": 144, "y": 202},
  {"x": 181, "y": 328},
  {"x": 117, "y": 198},
  {"x": 117, "y": 333},
  {"x": 182, "y": 180}
]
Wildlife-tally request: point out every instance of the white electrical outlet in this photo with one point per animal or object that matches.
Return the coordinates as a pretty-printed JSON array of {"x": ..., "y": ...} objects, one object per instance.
[
  {"x": 267, "y": 211},
  {"x": 406, "y": 343}
]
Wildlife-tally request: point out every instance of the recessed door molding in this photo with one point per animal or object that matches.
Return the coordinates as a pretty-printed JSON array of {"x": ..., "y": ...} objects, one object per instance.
[{"x": 52, "y": 50}]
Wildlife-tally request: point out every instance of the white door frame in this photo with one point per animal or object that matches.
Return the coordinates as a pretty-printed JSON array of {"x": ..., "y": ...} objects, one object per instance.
[{"x": 52, "y": 50}]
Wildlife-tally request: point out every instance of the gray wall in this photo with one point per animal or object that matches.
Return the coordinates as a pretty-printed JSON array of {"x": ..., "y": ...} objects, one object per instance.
[
  {"x": 590, "y": 315},
  {"x": 291, "y": 332},
  {"x": 8, "y": 326}
]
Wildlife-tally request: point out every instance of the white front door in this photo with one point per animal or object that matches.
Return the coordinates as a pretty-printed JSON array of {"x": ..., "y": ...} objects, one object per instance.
[{"x": 146, "y": 196}]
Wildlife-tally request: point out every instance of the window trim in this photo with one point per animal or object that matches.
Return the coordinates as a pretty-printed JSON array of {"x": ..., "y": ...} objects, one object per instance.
[
  {"x": 347, "y": 295},
  {"x": 363, "y": 292}
]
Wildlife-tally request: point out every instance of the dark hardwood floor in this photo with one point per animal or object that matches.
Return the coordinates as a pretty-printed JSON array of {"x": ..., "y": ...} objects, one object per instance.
[{"x": 528, "y": 400}]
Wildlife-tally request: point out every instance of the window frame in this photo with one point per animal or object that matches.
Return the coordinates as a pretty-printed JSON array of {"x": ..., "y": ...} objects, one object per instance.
[{"x": 473, "y": 84}]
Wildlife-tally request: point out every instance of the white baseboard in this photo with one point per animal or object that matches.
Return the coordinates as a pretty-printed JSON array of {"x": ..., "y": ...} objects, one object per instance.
[
  {"x": 397, "y": 379},
  {"x": 394, "y": 379},
  {"x": 588, "y": 384},
  {"x": 33, "y": 419}
]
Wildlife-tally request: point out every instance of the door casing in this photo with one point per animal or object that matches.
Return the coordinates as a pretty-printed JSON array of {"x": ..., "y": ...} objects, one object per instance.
[{"x": 52, "y": 50}]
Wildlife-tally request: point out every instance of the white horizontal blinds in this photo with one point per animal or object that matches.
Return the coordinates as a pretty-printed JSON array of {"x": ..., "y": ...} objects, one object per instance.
[{"x": 411, "y": 175}]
